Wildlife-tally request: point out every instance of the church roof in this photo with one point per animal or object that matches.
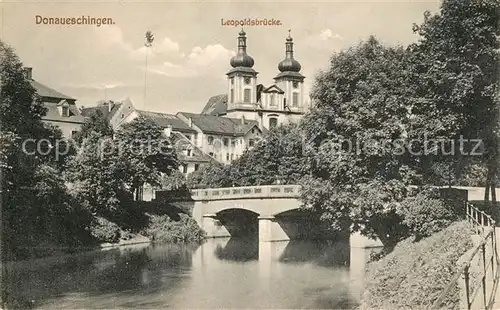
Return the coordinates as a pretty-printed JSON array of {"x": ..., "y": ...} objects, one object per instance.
[
  {"x": 164, "y": 120},
  {"x": 292, "y": 74},
  {"x": 216, "y": 105},
  {"x": 243, "y": 69},
  {"x": 273, "y": 88},
  {"x": 221, "y": 125}
]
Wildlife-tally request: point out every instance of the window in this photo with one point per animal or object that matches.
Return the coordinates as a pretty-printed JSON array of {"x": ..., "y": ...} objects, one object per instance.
[
  {"x": 253, "y": 130},
  {"x": 247, "y": 81},
  {"x": 65, "y": 111},
  {"x": 211, "y": 154},
  {"x": 233, "y": 142},
  {"x": 227, "y": 156},
  {"x": 73, "y": 133},
  {"x": 273, "y": 100},
  {"x": 210, "y": 140},
  {"x": 232, "y": 81},
  {"x": 273, "y": 122},
  {"x": 232, "y": 156},
  {"x": 196, "y": 167},
  {"x": 122, "y": 115},
  {"x": 226, "y": 142},
  {"x": 251, "y": 142},
  {"x": 295, "y": 84},
  {"x": 295, "y": 99},
  {"x": 232, "y": 95},
  {"x": 246, "y": 95},
  {"x": 184, "y": 168},
  {"x": 189, "y": 153}
]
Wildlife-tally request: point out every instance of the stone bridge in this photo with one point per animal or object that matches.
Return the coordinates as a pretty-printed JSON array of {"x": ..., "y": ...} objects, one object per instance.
[{"x": 271, "y": 212}]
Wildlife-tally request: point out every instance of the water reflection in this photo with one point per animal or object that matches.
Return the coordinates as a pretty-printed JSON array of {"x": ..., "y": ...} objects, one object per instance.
[
  {"x": 238, "y": 249},
  {"x": 221, "y": 273}
]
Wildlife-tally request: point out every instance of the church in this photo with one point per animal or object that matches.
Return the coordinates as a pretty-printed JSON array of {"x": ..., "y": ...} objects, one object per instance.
[{"x": 279, "y": 103}]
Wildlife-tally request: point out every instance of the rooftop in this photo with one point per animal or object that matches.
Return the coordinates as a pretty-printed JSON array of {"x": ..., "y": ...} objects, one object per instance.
[
  {"x": 45, "y": 91},
  {"x": 216, "y": 105},
  {"x": 164, "y": 120},
  {"x": 53, "y": 113},
  {"x": 221, "y": 125}
]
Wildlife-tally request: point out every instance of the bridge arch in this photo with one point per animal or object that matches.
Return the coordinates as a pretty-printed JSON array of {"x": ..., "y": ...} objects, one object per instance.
[{"x": 237, "y": 207}]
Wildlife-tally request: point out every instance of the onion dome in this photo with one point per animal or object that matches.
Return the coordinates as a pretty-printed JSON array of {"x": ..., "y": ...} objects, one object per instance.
[
  {"x": 242, "y": 59},
  {"x": 289, "y": 63}
]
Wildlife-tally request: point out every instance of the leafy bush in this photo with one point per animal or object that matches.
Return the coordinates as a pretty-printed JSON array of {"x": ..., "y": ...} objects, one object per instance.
[
  {"x": 105, "y": 231},
  {"x": 414, "y": 274},
  {"x": 164, "y": 229},
  {"x": 425, "y": 215}
]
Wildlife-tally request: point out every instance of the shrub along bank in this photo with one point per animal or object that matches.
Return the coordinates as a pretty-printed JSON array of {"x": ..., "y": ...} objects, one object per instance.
[
  {"x": 156, "y": 228},
  {"x": 415, "y": 273}
]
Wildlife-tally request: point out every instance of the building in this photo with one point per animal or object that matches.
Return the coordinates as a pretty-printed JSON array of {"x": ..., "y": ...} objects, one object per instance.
[
  {"x": 106, "y": 108},
  {"x": 279, "y": 103},
  {"x": 182, "y": 136},
  {"x": 233, "y": 122},
  {"x": 223, "y": 138},
  {"x": 61, "y": 109}
]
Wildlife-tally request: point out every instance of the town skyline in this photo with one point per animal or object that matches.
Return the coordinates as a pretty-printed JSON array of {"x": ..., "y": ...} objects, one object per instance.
[{"x": 187, "y": 63}]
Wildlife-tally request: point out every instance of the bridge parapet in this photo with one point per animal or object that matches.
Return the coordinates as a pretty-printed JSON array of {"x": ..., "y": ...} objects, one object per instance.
[{"x": 246, "y": 192}]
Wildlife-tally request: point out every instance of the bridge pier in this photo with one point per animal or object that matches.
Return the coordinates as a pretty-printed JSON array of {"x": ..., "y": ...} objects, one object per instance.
[
  {"x": 271, "y": 230},
  {"x": 213, "y": 227}
]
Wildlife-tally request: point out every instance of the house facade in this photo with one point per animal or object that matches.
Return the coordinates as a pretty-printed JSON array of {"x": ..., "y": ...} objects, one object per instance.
[
  {"x": 61, "y": 109},
  {"x": 182, "y": 136}
]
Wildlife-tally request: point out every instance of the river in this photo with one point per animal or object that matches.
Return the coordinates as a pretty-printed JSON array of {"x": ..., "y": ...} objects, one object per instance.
[{"x": 221, "y": 273}]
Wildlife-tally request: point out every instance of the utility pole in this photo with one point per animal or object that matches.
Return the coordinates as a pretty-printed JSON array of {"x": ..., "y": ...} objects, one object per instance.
[{"x": 149, "y": 38}]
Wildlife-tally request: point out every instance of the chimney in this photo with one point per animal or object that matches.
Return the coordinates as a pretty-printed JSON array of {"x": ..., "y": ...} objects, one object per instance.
[
  {"x": 190, "y": 122},
  {"x": 111, "y": 105},
  {"x": 28, "y": 73},
  {"x": 243, "y": 120},
  {"x": 168, "y": 130}
]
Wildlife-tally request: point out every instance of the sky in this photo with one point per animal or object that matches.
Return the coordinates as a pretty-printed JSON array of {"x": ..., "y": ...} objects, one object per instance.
[{"x": 190, "y": 54}]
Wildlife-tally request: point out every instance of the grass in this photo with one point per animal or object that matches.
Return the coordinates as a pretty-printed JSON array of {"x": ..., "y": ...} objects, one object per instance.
[{"x": 414, "y": 274}]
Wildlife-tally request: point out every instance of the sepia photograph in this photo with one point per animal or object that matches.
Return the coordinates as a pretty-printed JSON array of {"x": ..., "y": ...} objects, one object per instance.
[{"x": 160, "y": 154}]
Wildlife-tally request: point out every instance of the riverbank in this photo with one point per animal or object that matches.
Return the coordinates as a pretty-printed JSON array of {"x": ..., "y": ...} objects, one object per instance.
[
  {"x": 105, "y": 234},
  {"x": 414, "y": 274}
]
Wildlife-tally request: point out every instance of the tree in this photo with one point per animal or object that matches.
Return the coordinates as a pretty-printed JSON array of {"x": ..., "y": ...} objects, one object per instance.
[
  {"x": 142, "y": 147},
  {"x": 173, "y": 181},
  {"x": 212, "y": 175},
  {"x": 21, "y": 112},
  {"x": 95, "y": 123},
  {"x": 98, "y": 176},
  {"x": 36, "y": 209},
  {"x": 21, "y": 109},
  {"x": 455, "y": 69},
  {"x": 277, "y": 157},
  {"x": 354, "y": 140}
]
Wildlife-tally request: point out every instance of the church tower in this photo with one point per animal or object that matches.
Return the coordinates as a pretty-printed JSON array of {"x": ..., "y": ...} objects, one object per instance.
[
  {"x": 290, "y": 80},
  {"x": 242, "y": 83}
]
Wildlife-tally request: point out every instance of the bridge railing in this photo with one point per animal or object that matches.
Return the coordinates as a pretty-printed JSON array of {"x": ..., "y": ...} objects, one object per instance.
[
  {"x": 246, "y": 192},
  {"x": 480, "y": 273},
  {"x": 271, "y": 191}
]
